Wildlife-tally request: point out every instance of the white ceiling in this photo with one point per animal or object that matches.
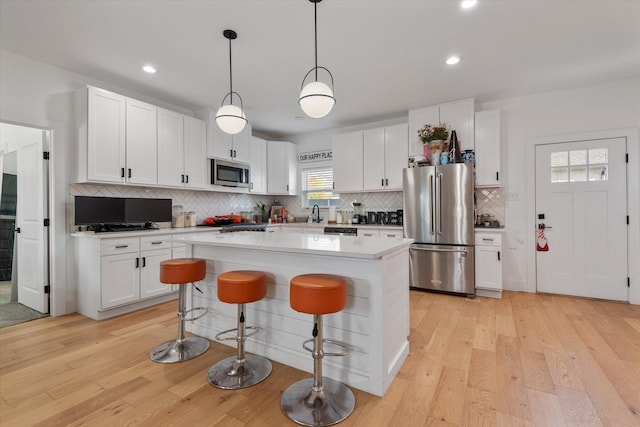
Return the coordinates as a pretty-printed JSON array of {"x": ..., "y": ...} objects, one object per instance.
[{"x": 386, "y": 56}]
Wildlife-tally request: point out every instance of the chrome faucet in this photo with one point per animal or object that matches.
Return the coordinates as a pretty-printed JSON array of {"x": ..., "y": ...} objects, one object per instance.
[{"x": 315, "y": 214}]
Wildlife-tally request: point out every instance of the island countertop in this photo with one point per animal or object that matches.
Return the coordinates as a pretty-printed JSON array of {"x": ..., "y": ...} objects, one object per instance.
[{"x": 326, "y": 245}]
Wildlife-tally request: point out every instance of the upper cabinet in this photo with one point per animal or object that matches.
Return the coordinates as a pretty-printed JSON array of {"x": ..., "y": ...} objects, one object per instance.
[
  {"x": 101, "y": 118},
  {"x": 458, "y": 115},
  {"x": 370, "y": 160},
  {"x": 347, "y": 161},
  {"x": 123, "y": 140},
  {"x": 258, "y": 163},
  {"x": 181, "y": 150},
  {"x": 487, "y": 152},
  {"x": 385, "y": 154},
  {"x": 282, "y": 171},
  {"x": 221, "y": 145}
]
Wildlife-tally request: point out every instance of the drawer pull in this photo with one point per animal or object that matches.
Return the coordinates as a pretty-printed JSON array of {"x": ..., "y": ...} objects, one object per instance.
[
  {"x": 156, "y": 243},
  {"x": 487, "y": 240},
  {"x": 121, "y": 246}
]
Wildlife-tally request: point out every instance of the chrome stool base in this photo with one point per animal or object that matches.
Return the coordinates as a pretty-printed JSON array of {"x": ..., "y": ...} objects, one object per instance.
[
  {"x": 178, "y": 351},
  {"x": 229, "y": 374},
  {"x": 317, "y": 408}
]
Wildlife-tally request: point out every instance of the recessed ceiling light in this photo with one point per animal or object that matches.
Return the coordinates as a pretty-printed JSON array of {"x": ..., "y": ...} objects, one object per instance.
[
  {"x": 149, "y": 69},
  {"x": 452, "y": 60},
  {"x": 467, "y": 4}
]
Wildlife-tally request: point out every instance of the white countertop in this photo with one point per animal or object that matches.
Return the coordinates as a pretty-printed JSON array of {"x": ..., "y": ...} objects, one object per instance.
[
  {"x": 317, "y": 244},
  {"x": 144, "y": 233}
]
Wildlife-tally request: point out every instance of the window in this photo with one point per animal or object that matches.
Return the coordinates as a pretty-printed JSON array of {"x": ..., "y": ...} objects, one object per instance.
[
  {"x": 580, "y": 165},
  {"x": 317, "y": 188}
]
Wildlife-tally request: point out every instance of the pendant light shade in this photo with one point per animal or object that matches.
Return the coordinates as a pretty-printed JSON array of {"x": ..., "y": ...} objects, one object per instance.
[
  {"x": 230, "y": 117},
  {"x": 316, "y": 97}
]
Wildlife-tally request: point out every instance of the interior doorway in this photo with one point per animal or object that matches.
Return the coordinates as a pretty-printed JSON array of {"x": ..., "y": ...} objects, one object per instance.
[{"x": 24, "y": 210}]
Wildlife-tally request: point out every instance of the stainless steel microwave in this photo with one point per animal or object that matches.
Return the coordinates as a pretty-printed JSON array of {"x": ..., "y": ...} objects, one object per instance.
[{"x": 230, "y": 174}]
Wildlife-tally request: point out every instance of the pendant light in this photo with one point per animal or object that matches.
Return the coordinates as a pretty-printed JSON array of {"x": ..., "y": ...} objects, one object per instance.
[
  {"x": 316, "y": 98},
  {"x": 230, "y": 118}
]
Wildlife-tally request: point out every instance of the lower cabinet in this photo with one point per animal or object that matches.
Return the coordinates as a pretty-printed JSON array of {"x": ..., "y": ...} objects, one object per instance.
[
  {"x": 120, "y": 275},
  {"x": 488, "y": 253}
]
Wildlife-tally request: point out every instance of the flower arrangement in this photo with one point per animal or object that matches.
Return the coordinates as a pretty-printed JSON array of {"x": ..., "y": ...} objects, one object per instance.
[{"x": 434, "y": 135}]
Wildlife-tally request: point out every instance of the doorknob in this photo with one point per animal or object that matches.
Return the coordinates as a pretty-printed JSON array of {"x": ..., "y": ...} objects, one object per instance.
[
  {"x": 541, "y": 226},
  {"x": 17, "y": 230}
]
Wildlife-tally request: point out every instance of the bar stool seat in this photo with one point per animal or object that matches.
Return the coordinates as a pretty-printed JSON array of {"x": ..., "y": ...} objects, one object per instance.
[
  {"x": 242, "y": 370},
  {"x": 182, "y": 271},
  {"x": 318, "y": 401}
]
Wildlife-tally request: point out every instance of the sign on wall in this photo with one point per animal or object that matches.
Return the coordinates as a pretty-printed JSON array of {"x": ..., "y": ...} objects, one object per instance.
[{"x": 315, "y": 156}]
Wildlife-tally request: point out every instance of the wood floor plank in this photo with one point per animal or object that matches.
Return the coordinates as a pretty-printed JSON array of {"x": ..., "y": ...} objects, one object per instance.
[
  {"x": 545, "y": 409},
  {"x": 483, "y": 361}
]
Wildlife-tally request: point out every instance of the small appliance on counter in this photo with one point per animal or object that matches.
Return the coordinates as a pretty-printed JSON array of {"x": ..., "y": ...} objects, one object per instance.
[{"x": 358, "y": 213}]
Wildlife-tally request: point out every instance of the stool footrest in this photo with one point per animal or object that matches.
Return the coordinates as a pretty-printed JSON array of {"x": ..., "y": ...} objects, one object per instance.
[
  {"x": 340, "y": 344},
  {"x": 194, "y": 318},
  {"x": 254, "y": 330}
]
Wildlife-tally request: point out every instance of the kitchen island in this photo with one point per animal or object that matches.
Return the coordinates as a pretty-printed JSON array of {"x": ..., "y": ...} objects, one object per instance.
[{"x": 374, "y": 322}]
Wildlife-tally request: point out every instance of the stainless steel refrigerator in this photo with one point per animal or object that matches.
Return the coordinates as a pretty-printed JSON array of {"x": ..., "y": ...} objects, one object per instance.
[{"x": 439, "y": 215}]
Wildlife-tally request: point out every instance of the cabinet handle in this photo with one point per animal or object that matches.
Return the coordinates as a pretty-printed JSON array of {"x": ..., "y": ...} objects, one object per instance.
[
  {"x": 187, "y": 181},
  {"x": 122, "y": 172},
  {"x": 182, "y": 178},
  {"x": 487, "y": 240},
  {"x": 386, "y": 182},
  {"x": 497, "y": 176},
  {"x": 129, "y": 172},
  {"x": 231, "y": 153},
  {"x": 498, "y": 255},
  {"x": 234, "y": 153},
  {"x": 287, "y": 187},
  {"x": 382, "y": 182},
  {"x": 121, "y": 246},
  {"x": 144, "y": 261},
  {"x": 156, "y": 243},
  {"x": 137, "y": 262}
]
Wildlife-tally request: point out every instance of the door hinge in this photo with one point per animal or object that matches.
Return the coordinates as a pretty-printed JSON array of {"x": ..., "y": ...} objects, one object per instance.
[
  {"x": 46, "y": 222},
  {"x": 45, "y": 155},
  {"x": 47, "y": 289},
  {"x": 626, "y": 157},
  {"x": 628, "y": 282},
  {"x": 627, "y": 219}
]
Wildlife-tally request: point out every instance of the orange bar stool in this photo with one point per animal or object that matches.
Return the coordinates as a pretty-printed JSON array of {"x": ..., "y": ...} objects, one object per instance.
[
  {"x": 318, "y": 401},
  {"x": 182, "y": 271},
  {"x": 242, "y": 370}
]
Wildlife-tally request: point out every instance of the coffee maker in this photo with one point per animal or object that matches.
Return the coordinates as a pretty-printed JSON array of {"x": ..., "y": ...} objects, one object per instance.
[{"x": 358, "y": 216}]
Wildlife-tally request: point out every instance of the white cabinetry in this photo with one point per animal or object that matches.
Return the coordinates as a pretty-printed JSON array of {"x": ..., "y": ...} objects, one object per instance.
[
  {"x": 258, "y": 163},
  {"x": 282, "y": 170},
  {"x": 181, "y": 150},
  {"x": 385, "y": 154},
  {"x": 221, "y": 145},
  {"x": 488, "y": 259},
  {"x": 347, "y": 162},
  {"x": 121, "y": 274},
  {"x": 487, "y": 151},
  {"x": 458, "y": 115},
  {"x": 142, "y": 148}
]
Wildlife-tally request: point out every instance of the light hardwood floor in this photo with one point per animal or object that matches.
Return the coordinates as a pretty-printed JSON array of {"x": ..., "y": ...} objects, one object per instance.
[{"x": 525, "y": 360}]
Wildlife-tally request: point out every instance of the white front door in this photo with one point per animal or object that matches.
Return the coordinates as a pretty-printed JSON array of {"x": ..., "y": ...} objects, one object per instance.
[
  {"x": 32, "y": 238},
  {"x": 581, "y": 198}
]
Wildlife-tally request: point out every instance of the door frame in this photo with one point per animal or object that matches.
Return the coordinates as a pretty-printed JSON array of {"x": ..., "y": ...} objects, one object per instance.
[
  {"x": 632, "y": 136},
  {"x": 59, "y": 295}
]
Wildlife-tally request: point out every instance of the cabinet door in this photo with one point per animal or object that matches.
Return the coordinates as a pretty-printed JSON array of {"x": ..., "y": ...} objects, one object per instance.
[
  {"x": 240, "y": 144},
  {"x": 106, "y": 136},
  {"x": 373, "y": 161},
  {"x": 258, "y": 163},
  {"x": 195, "y": 153},
  {"x": 292, "y": 185},
  {"x": 368, "y": 233},
  {"x": 219, "y": 144},
  {"x": 396, "y": 155},
  {"x": 170, "y": 148},
  {"x": 417, "y": 119},
  {"x": 487, "y": 152},
  {"x": 142, "y": 149},
  {"x": 459, "y": 115},
  {"x": 277, "y": 167},
  {"x": 150, "y": 285},
  {"x": 348, "y": 162},
  {"x": 119, "y": 279},
  {"x": 488, "y": 267},
  {"x": 392, "y": 234}
]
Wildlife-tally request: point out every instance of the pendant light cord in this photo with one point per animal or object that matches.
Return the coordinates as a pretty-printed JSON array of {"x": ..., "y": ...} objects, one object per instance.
[
  {"x": 230, "y": 73},
  {"x": 315, "y": 26}
]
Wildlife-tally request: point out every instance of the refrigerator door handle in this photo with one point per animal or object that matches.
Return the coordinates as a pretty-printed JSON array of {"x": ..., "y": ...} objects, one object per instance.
[
  {"x": 434, "y": 249},
  {"x": 439, "y": 186},
  {"x": 433, "y": 209}
]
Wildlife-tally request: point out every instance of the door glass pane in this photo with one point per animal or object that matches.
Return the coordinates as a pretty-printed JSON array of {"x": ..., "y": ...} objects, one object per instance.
[
  {"x": 559, "y": 158},
  {"x": 578, "y": 173},
  {"x": 598, "y": 173},
  {"x": 578, "y": 157},
  {"x": 559, "y": 174},
  {"x": 598, "y": 155}
]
